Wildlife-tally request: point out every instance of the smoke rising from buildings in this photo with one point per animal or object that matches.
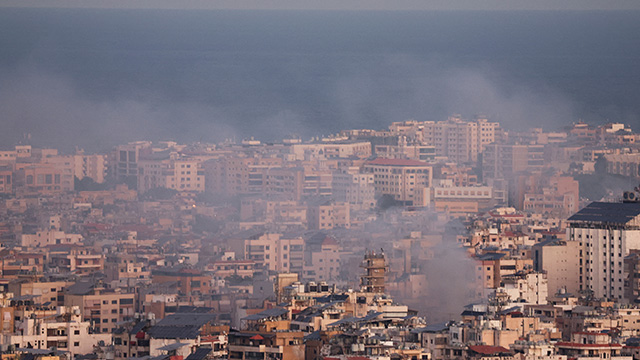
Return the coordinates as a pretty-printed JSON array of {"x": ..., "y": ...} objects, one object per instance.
[{"x": 58, "y": 111}]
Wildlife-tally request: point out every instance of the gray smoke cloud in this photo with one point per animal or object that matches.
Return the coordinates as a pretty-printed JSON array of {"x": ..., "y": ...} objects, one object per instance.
[
  {"x": 451, "y": 282},
  {"x": 402, "y": 87},
  {"x": 57, "y": 114},
  {"x": 60, "y": 112}
]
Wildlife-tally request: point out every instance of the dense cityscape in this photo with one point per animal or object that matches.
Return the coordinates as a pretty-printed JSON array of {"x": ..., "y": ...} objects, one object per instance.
[{"x": 451, "y": 239}]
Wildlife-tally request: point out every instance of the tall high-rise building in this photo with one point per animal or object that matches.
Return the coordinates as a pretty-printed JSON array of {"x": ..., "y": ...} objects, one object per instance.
[
  {"x": 606, "y": 233},
  {"x": 460, "y": 140}
]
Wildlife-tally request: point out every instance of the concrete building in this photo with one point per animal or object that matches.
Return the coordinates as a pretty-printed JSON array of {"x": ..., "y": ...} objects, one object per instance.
[
  {"x": 543, "y": 194},
  {"x": 326, "y": 214},
  {"x": 607, "y": 232},
  {"x": 6, "y": 180},
  {"x": 329, "y": 150},
  {"x": 65, "y": 331},
  {"x": 504, "y": 161},
  {"x": 91, "y": 166},
  {"x": 50, "y": 237},
  {"x": 125, "y": 161},
  {"x": 406, "y": 181},
  {"x": 103, "y": 308},
  {"x": 623, "y": 164},
  {"x": 275, "y": 253},
  {"x": 459, "y": 140},
  {"x": 404, "y": 150},
  {"x": 447, "y": 197},
  {"x": 66, "y": 165},
  {"x": 561, "y": 261},
  {"x": 40, "y": 292},
  {"x": 355, "y": 188},
  {"x": 322, "y": 258},
  {"x": 173, "y": 172},
  {"x": 285, "y": 345},
  {"x": 40, "y": 178}
]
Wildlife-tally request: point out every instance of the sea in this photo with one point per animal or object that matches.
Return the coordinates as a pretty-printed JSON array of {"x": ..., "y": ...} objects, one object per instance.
[{"x": 94, "y": 78}]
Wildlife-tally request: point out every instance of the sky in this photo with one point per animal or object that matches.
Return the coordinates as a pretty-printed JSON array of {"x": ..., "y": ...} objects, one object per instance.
[{"x": 336, "y": 4}]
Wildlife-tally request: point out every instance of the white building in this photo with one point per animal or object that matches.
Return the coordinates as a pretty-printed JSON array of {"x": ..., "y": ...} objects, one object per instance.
[
  {"x": 606, "y": 232},
  {"x": 66, "y": 332},
  {"x": 50, "y": 237}
]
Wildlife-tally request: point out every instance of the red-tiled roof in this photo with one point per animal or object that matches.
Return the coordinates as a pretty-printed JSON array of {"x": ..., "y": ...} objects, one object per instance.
[
  {"x": 396, "y": 162},
  {"x": 328, "y": 240},
  {"x": 488, "y": 350}
]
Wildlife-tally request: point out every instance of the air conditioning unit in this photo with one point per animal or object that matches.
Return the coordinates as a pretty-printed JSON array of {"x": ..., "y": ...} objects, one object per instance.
[{"x": 630, "y": 197}]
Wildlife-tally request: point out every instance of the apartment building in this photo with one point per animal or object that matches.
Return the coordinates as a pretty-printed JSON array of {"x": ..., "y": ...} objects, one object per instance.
[
  {"x": 355, "y": 188},
  {"x": 274, "y": 252},
  {"x": 40, "y": 178},
  {"x": 173, "y": 172},
  {"x": 65, "y": 331},
  {"x": 326, "y": 214},
  {"x": 460, "y": 141},
  {"x": 125, "y": 159},
  {"x": 406, "y": 181},
  {"x": 330, "y": 150},
  {"x": 504, "y": 161},
  {"x": 286, "y": 345},
  {"x": 6, "y": 180},
  {"x": 322, "y": 258},
  {"x": 40, "y": 292},
  {"x": 50, "y": 237},
  {"x": 543, "y": 194},
  {"x": 607, "y": 232},
  {"x": 561, "y": 261},
  {"x": 75, "y": 259},
  {"x": 403, "y": 150},
  {"x": 102, "y": 307}
]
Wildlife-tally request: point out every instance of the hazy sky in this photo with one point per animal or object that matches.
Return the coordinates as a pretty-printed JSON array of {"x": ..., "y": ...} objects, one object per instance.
[{"x": 338, "y": 4}]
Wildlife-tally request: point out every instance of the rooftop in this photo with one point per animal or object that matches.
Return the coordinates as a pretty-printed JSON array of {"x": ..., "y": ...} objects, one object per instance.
[{"x": 607, "y": 213}]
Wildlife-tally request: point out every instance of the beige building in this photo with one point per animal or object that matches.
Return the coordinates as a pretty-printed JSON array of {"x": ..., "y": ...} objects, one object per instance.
[
  {"x": 623, "y": 164},
  {"x": 174, "y": 172},
  {"x": 458, "y": 199},
  {"x": 326, "y": 214},
  {"x": 91, "y": 166},
  {"x": 103, "y": 308},
  {"x": 561, "y": 261},
  {"x": 330, "y": 150},
  {"x": 50, "y": 237},
  {"x": 503, "y": 161},
  {"x": 6, "y": 180},
  {"x": 407, "y": 181},
  {"x": 75, "y": 259},
  {"x": 403, "y": 150},
  {"x": 274, "y": 253},
  {"x": 41, "y": 178},
  {"x": 322, "y": 258},
  {"x": 460, "y": 140},
  {"x": 355, "y": 188},
  {"x": 66, "y": 165},
  {"x": 42, "y": 292}
]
